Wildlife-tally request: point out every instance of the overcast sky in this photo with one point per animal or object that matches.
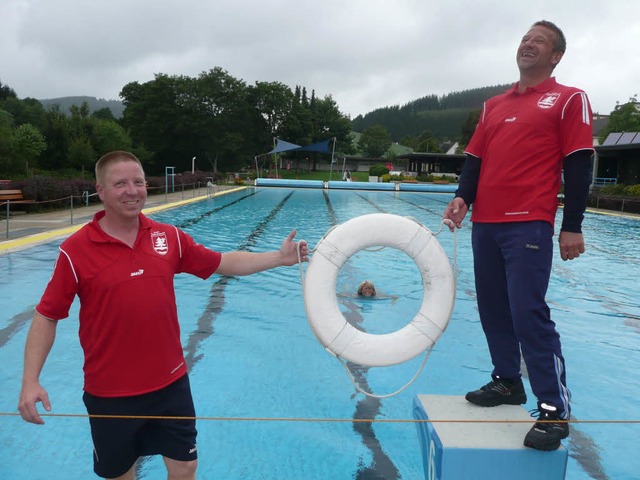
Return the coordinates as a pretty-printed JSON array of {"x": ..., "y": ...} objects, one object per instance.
[{"x": 366, "y": 54}]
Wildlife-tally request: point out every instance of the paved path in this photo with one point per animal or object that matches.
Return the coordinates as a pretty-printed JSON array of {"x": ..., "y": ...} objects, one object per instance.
[{"x": 26, "y": 230}]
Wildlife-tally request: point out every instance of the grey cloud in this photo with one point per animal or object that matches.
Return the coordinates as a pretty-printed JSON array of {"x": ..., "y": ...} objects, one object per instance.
[{"x": 366, "y": 54}]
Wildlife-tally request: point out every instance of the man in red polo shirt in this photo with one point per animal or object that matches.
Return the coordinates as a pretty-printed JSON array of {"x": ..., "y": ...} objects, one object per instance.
[
  {"x": 525, "y": 138},
  {"x": 121, "y": 266}
]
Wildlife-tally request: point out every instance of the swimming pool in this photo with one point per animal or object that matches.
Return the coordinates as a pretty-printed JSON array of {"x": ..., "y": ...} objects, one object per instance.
[{"x": 253, "y": 356}]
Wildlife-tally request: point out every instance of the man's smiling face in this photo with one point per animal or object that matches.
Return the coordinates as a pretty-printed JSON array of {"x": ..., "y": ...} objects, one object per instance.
[
  {"x": 536, "y": 50},
  {"x": 123, "y": 192}
]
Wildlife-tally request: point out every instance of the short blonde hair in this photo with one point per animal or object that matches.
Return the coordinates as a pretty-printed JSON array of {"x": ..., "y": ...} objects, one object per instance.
[
  {"x": 366, "y": 283},
  {"x": 111, "y": 158}
]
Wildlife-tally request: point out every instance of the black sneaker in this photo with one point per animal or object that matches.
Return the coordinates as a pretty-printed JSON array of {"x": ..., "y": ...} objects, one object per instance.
[
  {"x": 547, "y": 432},
  {"x": 498, "y": 392}
]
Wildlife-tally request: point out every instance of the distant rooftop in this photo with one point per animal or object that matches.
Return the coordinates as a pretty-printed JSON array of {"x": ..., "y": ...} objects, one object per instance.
[{"x": 622, "y": 138}]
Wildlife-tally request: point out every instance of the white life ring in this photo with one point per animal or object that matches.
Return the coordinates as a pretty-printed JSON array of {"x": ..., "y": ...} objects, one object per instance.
[{"x": 327, "y": 321}]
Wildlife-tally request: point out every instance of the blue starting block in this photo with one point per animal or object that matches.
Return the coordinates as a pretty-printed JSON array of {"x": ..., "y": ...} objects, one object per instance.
[{"x": 461, "y": 440}]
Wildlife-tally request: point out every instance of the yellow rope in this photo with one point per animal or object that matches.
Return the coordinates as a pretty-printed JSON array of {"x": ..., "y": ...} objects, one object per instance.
[{"x": 314, "y": 419}]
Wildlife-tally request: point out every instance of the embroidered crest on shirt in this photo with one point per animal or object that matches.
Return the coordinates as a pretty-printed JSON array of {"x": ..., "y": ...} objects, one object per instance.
[
  {"x": 159, "y": 242},
  {"x": 548, "y": 100}
]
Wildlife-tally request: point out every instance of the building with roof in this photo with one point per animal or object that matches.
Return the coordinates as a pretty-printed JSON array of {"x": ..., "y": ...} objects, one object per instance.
[
  {"x": 419, "y": 163},
  {"x": 617, "y": 160}
]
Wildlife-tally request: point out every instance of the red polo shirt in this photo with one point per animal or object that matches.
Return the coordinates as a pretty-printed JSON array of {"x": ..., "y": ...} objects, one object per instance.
[
  {"x": 129, "y": 328},
  {"x": 522, "y": 140}
]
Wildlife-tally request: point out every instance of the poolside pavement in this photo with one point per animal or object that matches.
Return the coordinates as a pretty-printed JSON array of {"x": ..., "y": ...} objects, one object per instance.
[{"x": 24, "y": 230}]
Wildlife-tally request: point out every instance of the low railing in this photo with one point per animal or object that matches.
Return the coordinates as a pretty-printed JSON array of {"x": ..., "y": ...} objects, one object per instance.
[
  {"x": 83, "y": 198},
  {"x": 615, "y": 203},
  {"x": 73, "y": 201},
  {"x": 600, "y": 182}
]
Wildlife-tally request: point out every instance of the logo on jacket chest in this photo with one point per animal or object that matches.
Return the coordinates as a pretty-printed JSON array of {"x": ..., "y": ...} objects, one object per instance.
[
  {"x": 159, "y": 242},
  {"x": 548, "y": 100}
]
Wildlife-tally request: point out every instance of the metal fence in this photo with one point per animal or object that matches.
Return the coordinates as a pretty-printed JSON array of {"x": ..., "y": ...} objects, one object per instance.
[{"x": 615, "y": 203}]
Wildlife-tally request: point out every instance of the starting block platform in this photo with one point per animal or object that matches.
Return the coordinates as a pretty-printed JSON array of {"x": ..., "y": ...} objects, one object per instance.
[{"x": 462, "y": 440}]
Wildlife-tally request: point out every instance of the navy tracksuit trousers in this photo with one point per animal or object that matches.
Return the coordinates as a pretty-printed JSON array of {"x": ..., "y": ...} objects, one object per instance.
[{"x": 512, "y": 266}]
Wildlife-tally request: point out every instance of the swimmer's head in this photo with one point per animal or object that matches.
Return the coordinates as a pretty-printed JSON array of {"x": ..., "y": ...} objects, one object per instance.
[{"x": 366, "y": 289}]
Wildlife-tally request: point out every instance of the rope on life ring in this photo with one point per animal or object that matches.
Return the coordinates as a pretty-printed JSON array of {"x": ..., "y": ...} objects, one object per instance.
[{"x": 342, "y": 339}]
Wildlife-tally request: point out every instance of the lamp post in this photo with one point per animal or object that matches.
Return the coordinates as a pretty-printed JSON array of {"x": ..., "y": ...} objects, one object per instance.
[
  {"x": 193, "y": 165},
  {"x": 169, "y": 171}
]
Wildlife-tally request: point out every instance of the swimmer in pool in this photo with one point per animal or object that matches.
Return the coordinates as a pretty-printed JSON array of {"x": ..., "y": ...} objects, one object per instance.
[{"x": 366, "y": 289}]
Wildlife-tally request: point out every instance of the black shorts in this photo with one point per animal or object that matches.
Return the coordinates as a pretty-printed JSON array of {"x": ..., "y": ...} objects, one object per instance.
[{"x": 119, "y": 442}]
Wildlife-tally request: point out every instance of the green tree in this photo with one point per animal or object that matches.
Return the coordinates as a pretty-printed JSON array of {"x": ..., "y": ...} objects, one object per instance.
[
  {"x": 6, "y": 92},
  {"x": 208, "y": 117},
  {"x": 469, "y": 127},
  {"x": 273, "y": 101},
  {"x": 6, "y": 133},
  {"x": 375, "y": 141},
  {"x": 623, "y": 118},
  {"x": 104, "y": 113},
  {"x": 81, "y": 111},
  {"x": 28, "y": 110},
  {"x": 81, "y": 153},
  {"x": 219, "y": 118},
  {"x": 27, "y": 143},
  {"x": 80, "y": 122},
  {"x": 152, "y": 116},
  {"x": 108, "y": 135},
  {"x": 427, "y": 143},
  {"x": 57, "y": 133},
  {"x": 298, "y": 126},
  {"x": 329, "y": 122},
  {"x": 409, "y": 141},
  {"x": 222, "y": 121}
]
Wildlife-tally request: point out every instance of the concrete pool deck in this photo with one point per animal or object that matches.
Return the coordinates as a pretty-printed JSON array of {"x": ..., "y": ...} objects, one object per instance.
[{"x": 29, "y": 229}]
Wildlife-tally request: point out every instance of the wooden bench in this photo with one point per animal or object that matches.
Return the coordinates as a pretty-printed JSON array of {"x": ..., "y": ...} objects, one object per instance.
[{"x": 13, "y": 196}]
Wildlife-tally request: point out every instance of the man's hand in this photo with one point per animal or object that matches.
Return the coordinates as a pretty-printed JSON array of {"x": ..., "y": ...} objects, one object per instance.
[
  {"x": 29, "y": 396},
  {"x": 571, "y": 245},
  {"x": 455, "y": 211},
  {"x": 247, "y": 263},
  {"x": 289, "y": 250}
]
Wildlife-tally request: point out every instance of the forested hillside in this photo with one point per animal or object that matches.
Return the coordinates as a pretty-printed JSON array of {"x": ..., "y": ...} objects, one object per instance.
[
  {"x": 214, "y": 117},
  {"x": 94, "y": 104},
  {"x": 217, "y": 118},
  {"x": 442, "y": 116}
]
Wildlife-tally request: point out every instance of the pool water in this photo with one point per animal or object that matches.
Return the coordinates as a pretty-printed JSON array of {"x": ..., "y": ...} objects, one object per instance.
[{"x": 262, "y": 383}]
